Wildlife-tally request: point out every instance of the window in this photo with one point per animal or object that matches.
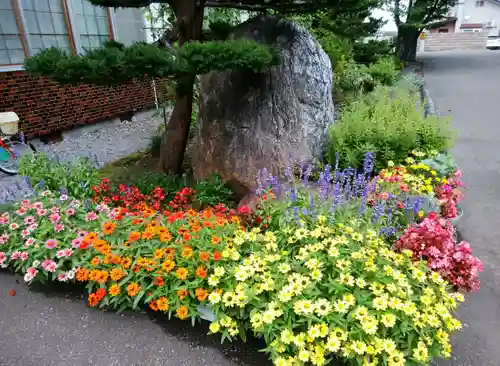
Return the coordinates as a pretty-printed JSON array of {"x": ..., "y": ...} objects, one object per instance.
[
  {"x": 46, "y": 24},
  {"x": 29, "y": 26},
  {"x": 12, "y": 50},
  {"x": 92, "y": 24},
  {"x": 479, "y": 4}
]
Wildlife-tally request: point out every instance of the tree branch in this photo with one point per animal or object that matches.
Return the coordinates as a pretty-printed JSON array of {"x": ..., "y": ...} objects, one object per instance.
[{"x": 397, "y": 9}]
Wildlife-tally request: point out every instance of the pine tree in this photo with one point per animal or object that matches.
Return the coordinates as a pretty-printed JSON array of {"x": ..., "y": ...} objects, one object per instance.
[{"x": 181, "y": 57}]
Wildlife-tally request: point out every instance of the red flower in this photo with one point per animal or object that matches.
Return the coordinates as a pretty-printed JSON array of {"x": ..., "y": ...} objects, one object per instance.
[
  {"x": 217, "y": 256},
  {"x": 243, "y": 210}
]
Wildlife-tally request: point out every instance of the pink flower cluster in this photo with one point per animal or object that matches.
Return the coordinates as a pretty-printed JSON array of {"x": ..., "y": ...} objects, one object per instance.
[
  {"x": 433, "y": 240},
  {"x": 450, "y": 195}
]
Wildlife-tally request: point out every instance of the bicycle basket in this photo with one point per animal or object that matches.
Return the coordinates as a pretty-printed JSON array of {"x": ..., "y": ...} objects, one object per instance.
[{"x": 9, "y": 123}]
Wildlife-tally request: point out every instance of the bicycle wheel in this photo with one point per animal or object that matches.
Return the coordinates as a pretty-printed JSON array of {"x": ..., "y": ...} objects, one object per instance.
[{"x": 9, "y": 159}]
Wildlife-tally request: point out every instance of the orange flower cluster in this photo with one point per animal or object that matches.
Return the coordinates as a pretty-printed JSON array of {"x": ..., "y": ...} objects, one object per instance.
[{"x": 163, "y": 260}]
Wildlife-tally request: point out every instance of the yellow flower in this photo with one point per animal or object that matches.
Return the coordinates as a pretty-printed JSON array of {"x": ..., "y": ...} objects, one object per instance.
[
  {"x": 380, "y": 303},
  {"x": 358, "y": 347},
  {"x": 313, "y": 332},
  {"x": 388, "y": 320},
  {"x": 304, "y": 355},
  {"x": 214, "y": 327},
  {"x": 333, "y": 344},
  {"x": 339, "y": 333},
  {"x": 299, "y": 340},
  {"x": 286, "y": 336}
]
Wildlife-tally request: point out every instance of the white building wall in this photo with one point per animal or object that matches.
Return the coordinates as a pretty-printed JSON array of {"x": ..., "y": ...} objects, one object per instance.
[{"x": 468, "y": 11}]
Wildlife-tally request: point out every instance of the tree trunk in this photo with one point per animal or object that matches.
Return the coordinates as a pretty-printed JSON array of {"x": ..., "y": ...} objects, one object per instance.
[
  {"x": 173, "y": 145},
  {"x": 406, "y": 43}
]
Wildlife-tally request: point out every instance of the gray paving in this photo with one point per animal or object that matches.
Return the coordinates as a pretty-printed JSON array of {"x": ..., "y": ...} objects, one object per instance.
[{"x": 466, "y": 85}]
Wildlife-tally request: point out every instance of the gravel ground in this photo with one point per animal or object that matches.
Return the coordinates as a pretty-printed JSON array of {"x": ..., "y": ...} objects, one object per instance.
[{"x": 103, "y": 142}]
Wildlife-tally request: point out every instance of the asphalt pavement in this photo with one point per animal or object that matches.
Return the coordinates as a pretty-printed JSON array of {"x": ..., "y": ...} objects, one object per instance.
[{"x": 466, "y": 86}]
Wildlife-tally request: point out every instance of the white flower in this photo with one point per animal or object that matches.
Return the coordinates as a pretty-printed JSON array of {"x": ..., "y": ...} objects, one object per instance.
[
  {"x": 28, "y": 277},
  {"x": 284, "y": 268},
  {"x": 214, "y": 298},
  {"x": 213, "y": 280},
  {"x": 35, "y": 263},
  {"x": 219, "y": 271}
]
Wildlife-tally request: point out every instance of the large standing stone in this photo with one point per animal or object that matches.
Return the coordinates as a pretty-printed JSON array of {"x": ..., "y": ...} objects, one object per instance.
[{"x": 249, "y": 121}]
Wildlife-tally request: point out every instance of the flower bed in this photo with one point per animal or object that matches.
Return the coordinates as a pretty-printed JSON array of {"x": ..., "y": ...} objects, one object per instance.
[{"x": 352, "y": 267}]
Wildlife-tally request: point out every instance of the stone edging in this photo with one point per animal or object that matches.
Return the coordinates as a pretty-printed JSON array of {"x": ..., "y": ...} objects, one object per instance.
[{"x": 426, "y": 100}]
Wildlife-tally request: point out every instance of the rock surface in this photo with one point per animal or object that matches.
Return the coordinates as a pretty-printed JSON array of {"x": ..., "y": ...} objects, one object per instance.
[{"x": 248, "y": 121}]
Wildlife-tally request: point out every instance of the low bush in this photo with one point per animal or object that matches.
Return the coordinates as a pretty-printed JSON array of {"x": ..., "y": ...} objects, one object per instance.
[
  {"x": 384, "y": 71},
  {"x": 389, "y": 123},
  {"x": 44, "y": 172}
]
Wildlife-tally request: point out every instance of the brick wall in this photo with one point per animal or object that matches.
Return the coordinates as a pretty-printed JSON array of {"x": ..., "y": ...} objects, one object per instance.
[{"x": 45, "y": 106}]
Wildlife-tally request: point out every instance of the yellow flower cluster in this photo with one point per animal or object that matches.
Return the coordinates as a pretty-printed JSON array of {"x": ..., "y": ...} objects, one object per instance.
[
  {"x": 335, "y": 290},
  {"x": 419, "y": 178}
]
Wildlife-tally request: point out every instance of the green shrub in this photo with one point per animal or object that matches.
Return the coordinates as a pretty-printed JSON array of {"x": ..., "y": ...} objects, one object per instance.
[
  {"x": 212, "y": 191},
  {"x": 148, "y": 181},
  {"x": 384, "y": 71},
  {"x": 370, "y": 52},
  {"x": 351, "y": 79},
  {"x": 389, "y": 123},
  {"x": 76, "y": 177}
]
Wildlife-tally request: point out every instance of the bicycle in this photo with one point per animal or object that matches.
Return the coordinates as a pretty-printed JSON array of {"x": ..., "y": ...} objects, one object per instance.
[{"x": 12, "y": 143}]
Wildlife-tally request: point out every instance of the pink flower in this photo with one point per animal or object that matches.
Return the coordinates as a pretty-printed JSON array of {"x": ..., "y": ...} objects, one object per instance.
[
  {"x": 75, "y": 243},
  {"x": 30, "y": 274},
  {"x": 58, "y": 228},
  {"x": 3, "y": 257},
  {"x": 4, "y": 239},
  {"x": 60, "y": 254},
  {"x": 25, "y": 202},
  {"x": 68, "y": 252},
  {"x": 41, "y": 212},
  {"x": 49, "y": 265},
  {"x": 24, "y": 256},
  {"x": 54, "y": 217},
  {"x": 50, "y": 244},
  {"x": 29, "y": 242},
  {"x": 91, "y": 216},
  {"x": 15, "y": 255},
  {"x": 21, "y": 211},
  {"x": 38, "y": 205},
  {"x": 82, "y": 234},
  {"x": 54, "y": 209},
  {"x": 25, "y": 233},
  {"x": 28, "y": 220},
  {"x": 70, "y": 211},
  {"x": 13, "y": 226},
  {"x": 62, "y": 277},
  {"x": 4, "y": 220},
  {"x": 33, "y": 226}
]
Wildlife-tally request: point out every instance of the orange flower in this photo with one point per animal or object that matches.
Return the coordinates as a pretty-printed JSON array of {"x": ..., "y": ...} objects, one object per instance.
[
  {"x": 162, "y": 303},
  {"x": 206, "y": 214},
  {"x": 95, "y": 261},
  {"x": 207, "y": 224},
  {"x": 161, "y": 230},
  {"x": 170, "y": 252},
  {"x": 99, "y": 276},
  {"x": 187, "y": 252},
  {"x": 186, "y": 236},
  {"x": 182, "y": 273},
  {"x": 168, "y": 265},
  {"x": 201, "y": 272},
  {"x": 93, "y": 300},
  {"x": 159, "y": 254},
  {"x": 153, "y": 305},
  {"x": 159, "y": 281},
  {"x": 82, "y": 274},
  {"x": 182, "y": 312},
  {"x": 137, "y": 221},
  {"x": 117, "y": 274},
  {"x": 216, "y": 239},
  {"x": 114, "y": 290},
  {"x": 148, "y": 234},
  {"x": 201, "y": 294},
  {"x": 182, "y": 293},
  {"x": 91, "y": 237},
  {"x": 134, "y": 236},
  {"x": 204, "y": 256},
  {"x": 126, "y": 262},
  {"x": 235, "y": 219},
  {"x": 133, "y": 289},
  {"x": 108, "y": 228},
  {"x": 165, "y": 237}
]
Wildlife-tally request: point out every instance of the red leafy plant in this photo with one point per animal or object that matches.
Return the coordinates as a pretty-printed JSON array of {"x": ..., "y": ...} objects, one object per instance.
[
  {"x": 450, "y": 194},
  {"x": 433, "y": 240}
]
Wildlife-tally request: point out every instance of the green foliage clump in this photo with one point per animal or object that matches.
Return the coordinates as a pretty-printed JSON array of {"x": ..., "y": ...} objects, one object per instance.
[
  {"x": 370, "y": 52},
  {"x": 212, "y": 191},
  {"x": 388, "y": 123},
  {"x": 384, "y": 71},
  {"x": 117, "y": 64},
  {"x": 77, "y": 177}
]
